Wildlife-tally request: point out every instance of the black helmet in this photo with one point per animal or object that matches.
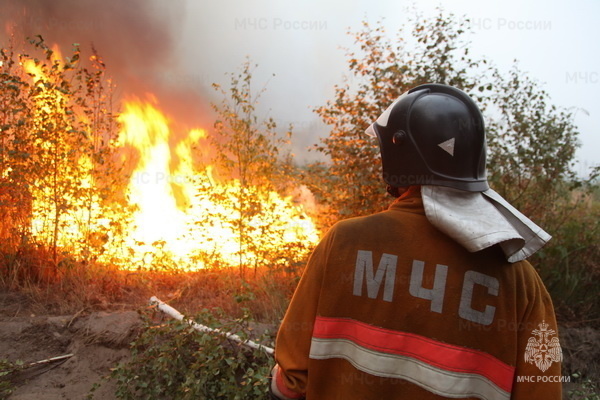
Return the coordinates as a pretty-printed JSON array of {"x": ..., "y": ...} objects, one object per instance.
[{"x": 433, "y": 135}]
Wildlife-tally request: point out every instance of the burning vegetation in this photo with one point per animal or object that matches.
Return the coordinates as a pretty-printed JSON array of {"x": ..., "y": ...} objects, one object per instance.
[{"x": 84, "y": 182}]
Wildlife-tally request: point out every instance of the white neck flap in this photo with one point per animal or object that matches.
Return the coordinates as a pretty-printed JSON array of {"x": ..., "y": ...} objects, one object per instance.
[{"x": 478, "y": 220}]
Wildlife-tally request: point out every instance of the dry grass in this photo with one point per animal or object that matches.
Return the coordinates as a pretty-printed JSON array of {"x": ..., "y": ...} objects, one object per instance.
[{"x": 74, "y": 287}]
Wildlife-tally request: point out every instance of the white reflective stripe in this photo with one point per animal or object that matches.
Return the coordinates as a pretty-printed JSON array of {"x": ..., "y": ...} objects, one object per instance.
[{"x": 436, "y": 380}]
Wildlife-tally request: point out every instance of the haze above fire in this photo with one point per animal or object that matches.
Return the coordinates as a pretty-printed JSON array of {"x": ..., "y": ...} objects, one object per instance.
[{"x": 180, "y": 47}]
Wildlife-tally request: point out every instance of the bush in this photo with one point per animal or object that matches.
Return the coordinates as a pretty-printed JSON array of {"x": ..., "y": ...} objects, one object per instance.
[
  {"x": 174, "y": 361},
  {"x": 569, "y": 266}
]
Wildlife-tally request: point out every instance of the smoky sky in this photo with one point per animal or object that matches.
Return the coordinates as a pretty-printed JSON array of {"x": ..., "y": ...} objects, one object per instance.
[
  {"x": 176, "y": 50},
  {"x": 135, "y": 38}
]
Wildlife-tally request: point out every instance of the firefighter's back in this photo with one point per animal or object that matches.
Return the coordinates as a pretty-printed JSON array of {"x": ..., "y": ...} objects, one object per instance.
[{"x": 405, "y": 312}]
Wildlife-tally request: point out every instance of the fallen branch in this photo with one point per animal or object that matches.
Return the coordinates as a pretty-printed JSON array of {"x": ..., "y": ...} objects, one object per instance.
[{"x": 167, "y": 309}]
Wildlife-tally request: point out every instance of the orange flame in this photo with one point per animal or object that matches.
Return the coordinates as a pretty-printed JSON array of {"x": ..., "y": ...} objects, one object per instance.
[
  {"x": 187, "y": 211},
  {"x": 182, "y": 212},
  {"x": 47, "y": 102}
]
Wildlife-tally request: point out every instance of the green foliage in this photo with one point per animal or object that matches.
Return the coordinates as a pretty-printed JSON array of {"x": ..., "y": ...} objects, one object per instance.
[
  {"x": 247, "y": 147},
  {"x": 174, "y": 361},
  {"x": 532, "y": 147},
  {"x": 6, "y": 369},
  {"x": 588, "y": 390},
  {"x": 569, "y": 265}
]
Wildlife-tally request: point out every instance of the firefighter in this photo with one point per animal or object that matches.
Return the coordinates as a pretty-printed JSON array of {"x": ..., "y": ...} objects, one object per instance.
[{"x": 432, "y": 298}]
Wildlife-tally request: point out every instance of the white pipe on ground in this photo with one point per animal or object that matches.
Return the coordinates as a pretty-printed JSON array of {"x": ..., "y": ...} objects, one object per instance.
[
  {"x": 49, "y": 360},
  {"x": 167, "y": 309}
]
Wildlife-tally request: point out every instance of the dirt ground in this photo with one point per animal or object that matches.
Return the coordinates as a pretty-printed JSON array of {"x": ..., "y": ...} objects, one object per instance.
[{"x": 99, "y": 340}]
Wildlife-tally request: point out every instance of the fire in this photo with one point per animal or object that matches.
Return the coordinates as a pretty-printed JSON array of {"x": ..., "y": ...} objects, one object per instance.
[
  {"x": 188, "y": 213},
  {"x": 151, "y": 189},
  {"x": 181, "y": 214},
  {"x": 46, "y": 200}
]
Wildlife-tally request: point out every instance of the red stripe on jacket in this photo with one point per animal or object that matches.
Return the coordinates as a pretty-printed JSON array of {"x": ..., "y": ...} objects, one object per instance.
[{"x": 441, "y": 355}]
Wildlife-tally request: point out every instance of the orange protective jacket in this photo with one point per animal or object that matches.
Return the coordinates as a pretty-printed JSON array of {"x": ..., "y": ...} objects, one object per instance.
[{"x": 391, "y": 308}]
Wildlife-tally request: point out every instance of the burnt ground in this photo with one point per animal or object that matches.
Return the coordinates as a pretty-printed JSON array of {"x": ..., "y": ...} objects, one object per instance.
[{"x": 100, "y": 340}]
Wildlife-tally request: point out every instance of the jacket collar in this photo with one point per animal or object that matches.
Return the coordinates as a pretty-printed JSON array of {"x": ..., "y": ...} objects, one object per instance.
[{"x": 410, "y": 201}]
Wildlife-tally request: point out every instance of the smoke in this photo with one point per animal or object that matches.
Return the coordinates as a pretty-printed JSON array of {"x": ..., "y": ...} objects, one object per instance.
[
  {"x": 135, "y": 38},
  {"x": 176, "y": 49}
]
